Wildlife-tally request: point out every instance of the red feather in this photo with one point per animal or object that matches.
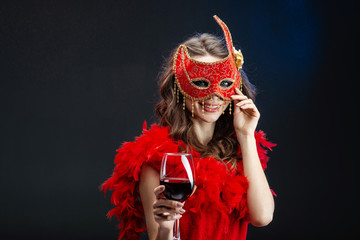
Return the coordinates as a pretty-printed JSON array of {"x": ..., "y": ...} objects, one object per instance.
[{"x": 218, "y": 208}]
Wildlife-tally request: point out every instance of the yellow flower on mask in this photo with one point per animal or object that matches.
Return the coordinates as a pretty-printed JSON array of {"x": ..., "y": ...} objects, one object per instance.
[{"x": 239, "y": 59}]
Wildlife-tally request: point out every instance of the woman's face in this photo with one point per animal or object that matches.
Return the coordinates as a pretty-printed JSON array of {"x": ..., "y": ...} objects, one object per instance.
[{"x": 213, "y": 107}]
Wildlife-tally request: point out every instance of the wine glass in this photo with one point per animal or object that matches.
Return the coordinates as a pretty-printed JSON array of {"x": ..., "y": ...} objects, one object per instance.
[{"x": 177, "y": 174}]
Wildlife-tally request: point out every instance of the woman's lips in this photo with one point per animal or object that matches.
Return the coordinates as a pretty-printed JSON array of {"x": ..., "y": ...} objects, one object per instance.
[{"x": 211, "y": 107}]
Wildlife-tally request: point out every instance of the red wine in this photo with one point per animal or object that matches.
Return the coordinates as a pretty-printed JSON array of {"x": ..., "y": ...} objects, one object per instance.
[{"x": 178, "y": 189}]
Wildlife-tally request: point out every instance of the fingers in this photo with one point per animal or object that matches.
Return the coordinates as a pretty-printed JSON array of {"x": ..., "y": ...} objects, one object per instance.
[
  {"x": 163, "y": 213},
  {"x": 239, "y": 92},
  {"x": 162, "y": 201},
  {"x": 168, "y": 211},
  {"x": 167, "y": 203},
  {"x": 158, "y": 191},
  {"x": 239, "y": 96},
  {"x": 245, "y": 102},
  {"x": 168, "y": 217},
  {"x": 247, "y": 106},
  {"x": 165, "y": 209}
]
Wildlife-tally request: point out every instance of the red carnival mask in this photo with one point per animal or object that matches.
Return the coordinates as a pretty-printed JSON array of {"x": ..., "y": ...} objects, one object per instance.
[{"x": 201, "y": 80}]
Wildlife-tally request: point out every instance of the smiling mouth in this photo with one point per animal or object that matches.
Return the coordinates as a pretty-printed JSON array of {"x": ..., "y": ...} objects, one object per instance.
[
  {"x": 211, "y": 107},
  {"x": 213, "y": 104}
]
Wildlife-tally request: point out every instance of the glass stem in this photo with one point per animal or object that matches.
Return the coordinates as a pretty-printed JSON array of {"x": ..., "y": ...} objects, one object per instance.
[{"x": 176, "y": 230}]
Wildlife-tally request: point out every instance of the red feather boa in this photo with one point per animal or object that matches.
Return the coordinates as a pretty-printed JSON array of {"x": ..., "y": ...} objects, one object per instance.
[{"x": 217, "y": 209}]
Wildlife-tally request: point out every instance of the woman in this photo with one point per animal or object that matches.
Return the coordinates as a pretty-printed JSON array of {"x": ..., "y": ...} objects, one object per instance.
[{"x": 206, "y": 109}]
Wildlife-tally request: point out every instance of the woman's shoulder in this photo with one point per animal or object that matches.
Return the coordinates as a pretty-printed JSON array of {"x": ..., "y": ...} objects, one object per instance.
[
  {"x": 131, "y": 156},
  {"x": 154, "y": 135},
  {"x": 147, "y": 147},
  {"x": 155, "y": 132}
]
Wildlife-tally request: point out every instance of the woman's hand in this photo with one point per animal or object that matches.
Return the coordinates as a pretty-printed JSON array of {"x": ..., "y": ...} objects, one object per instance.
[
  {"x": 246, "y": 115},
  {"x": 166, "y": 211}
]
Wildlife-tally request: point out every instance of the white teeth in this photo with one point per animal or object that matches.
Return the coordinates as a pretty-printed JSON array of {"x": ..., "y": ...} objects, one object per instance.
[{"x": 211, "y": 106}]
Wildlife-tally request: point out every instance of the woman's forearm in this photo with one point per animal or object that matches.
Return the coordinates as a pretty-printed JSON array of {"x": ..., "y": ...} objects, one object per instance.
[{"x": 259, "y": 197}]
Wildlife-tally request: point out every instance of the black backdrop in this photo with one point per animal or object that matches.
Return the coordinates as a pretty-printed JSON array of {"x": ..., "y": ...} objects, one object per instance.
[{"x": 79, "y": 77}]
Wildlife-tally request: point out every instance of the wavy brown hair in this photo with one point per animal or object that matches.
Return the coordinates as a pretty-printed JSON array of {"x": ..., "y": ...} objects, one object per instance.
[{"x": 223, "y": 146}]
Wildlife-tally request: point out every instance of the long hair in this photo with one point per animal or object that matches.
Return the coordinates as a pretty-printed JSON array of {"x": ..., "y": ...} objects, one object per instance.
[{"x": 223, "y": 146}]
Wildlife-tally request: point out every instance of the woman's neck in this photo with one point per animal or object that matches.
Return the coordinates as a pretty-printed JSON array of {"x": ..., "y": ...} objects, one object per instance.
[{"x": 204, "y": 131}]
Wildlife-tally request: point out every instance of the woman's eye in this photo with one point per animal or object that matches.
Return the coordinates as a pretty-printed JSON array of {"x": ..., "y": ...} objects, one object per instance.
[
  {"x": 226, "y": 83},
  {"x": 201, "y": 83}
]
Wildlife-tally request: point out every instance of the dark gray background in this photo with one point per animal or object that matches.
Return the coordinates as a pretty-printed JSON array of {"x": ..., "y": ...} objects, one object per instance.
[{"x": 79, "y": 77}]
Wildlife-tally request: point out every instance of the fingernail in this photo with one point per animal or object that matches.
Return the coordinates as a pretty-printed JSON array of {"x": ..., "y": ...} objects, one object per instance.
[
  {"x": 179, "y": 204},
  {"x": 182, "y": 210}
]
